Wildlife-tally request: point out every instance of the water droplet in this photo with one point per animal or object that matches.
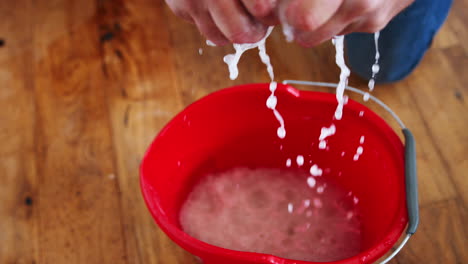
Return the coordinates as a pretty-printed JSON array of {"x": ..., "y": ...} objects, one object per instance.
[
  {"x": 300, "y": 160},
  {"x": 311, "y": 182},
  {"x": 366, "y": 97},
  {"x": 271, "y": 102},
  {"x": 375, "y": 68},
  {"x": 281, "y": 132}
]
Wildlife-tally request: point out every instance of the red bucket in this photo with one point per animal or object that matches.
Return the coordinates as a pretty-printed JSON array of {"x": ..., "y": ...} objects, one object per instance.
[{"x": 233, "y": 127}]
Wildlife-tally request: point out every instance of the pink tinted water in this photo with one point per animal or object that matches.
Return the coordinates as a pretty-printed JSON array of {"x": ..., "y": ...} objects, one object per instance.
[{"x": 275, "y": 212}]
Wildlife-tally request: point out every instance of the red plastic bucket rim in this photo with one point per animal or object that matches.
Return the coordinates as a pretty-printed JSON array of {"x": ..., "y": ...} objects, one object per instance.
[{"x": 398, "y": 225}]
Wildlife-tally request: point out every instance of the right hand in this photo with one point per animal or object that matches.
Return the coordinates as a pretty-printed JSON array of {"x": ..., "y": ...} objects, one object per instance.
[
  {"x": 312, "y": 21},
  {"x": 224, "y": 21}
]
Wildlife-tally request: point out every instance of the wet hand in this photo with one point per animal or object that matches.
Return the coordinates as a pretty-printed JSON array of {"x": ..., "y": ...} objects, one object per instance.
[
  {"x": 224, "y": 21},
  {"x": 312, "y": 21},
  {"x": 316, "y": 21}
]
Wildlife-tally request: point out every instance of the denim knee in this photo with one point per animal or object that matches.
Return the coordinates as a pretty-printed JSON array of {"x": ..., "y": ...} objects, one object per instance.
[{"x": 402, "y": 44}]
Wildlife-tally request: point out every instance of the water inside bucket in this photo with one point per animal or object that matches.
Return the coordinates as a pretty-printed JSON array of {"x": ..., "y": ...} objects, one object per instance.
[{"x": 274, "y": 211}]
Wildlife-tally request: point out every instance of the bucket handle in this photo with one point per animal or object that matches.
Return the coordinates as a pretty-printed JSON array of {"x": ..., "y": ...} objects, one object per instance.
[{"x": 411, "y": 181}]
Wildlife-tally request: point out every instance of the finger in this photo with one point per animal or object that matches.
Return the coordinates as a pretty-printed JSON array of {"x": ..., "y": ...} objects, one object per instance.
[
  {"x": 371, "y": 23},
  {"x": 209, "y": 29},
  {"x": 348, "y": 30},
  {"x": 324, "y": 33},
  {"x": 178, "y": 11},
  {"x": 262, "y": 10},
  {"x": 309, "y": 15},
  {"x": 343, "y": 16},
  {"x": 375, "y": 17},
  {"x": 378, "y": 18},
  {"x": 353, "y": 27},
  {"x": 234, "y": 22}
]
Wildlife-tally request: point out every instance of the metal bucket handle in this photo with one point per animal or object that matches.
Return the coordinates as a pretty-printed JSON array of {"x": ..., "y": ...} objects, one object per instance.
[{"x": 411, "y": 181}]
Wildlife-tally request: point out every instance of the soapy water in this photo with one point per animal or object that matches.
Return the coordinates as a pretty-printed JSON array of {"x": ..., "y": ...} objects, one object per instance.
[
  {"x": 324, "y": 133},
  {"x": 338, "y": 41},
  {"x": 275, "y": 212},
  {"x": 375, "y": 67},
  {"x": 315, "y": 170},
  {"x": 300, "y": 160},
  {"x": 232, "y": 61},
  {"x": 210, "y": 43},
  {"x": 360, "y": 149},
  {"x": 288, "y": 31},
  {"x": 313, "y": 220}
]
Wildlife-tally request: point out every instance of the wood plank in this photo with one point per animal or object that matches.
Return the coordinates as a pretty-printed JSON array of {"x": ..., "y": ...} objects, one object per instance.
[
  {"x": 79, "y": 210},
  {"x": 143, "y": 94},
  {"x": 18, "y": 177},
  {"x": 434, "y": 185},
  {"x": 442, "y": 236},
  {"x": 435, "y": 99}
]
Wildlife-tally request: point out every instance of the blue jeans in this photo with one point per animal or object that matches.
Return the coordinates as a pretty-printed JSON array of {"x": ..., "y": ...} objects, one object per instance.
[{"x": 402, "y": 42}]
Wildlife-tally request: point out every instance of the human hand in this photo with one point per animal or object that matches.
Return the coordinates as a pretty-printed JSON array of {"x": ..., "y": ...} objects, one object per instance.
[
  {"x": 312, "y": 21},
  {"x": 316, "y": 21},
  {"x": 224, "y": 21}
]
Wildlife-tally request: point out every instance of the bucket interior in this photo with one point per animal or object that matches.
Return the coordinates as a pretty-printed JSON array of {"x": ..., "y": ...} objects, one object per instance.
[{"x": 233, "y": 128}]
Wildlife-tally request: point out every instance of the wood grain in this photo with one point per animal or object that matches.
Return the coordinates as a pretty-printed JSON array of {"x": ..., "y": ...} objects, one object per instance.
[{"x": 86, "y": 85}]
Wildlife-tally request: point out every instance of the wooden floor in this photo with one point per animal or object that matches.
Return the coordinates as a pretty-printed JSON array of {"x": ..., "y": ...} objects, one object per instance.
[{"x": 85, "y": 86}]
